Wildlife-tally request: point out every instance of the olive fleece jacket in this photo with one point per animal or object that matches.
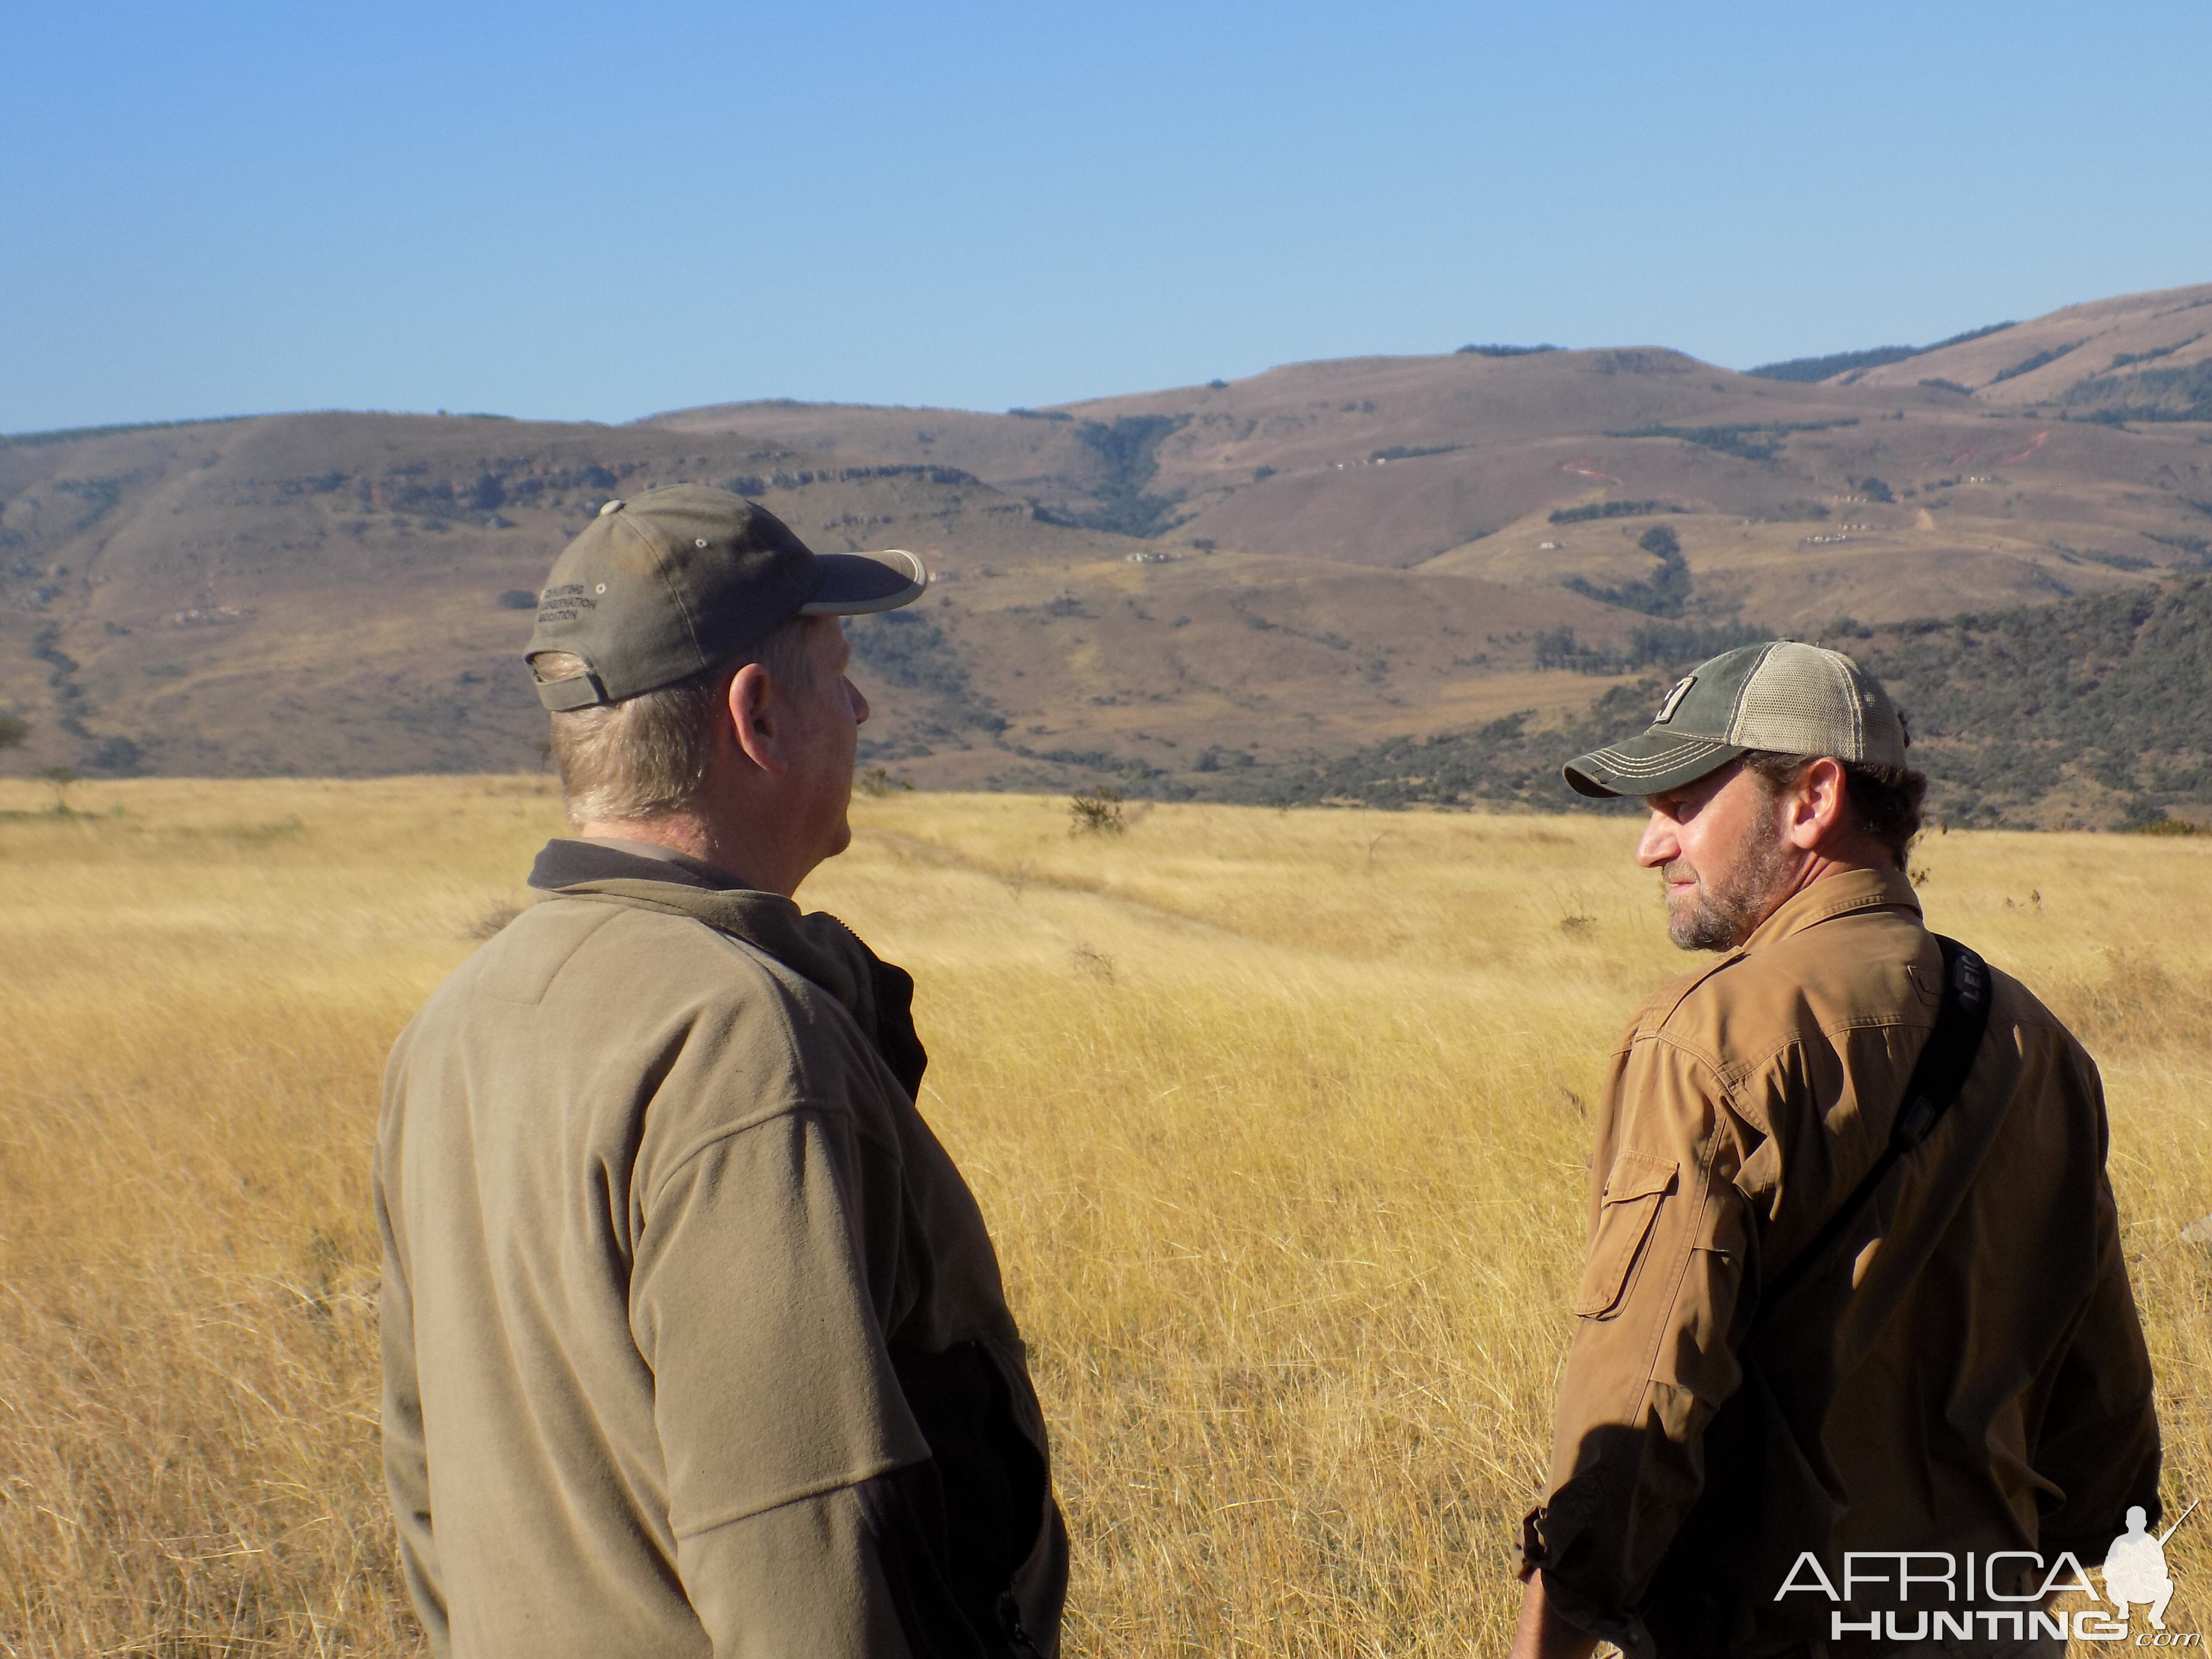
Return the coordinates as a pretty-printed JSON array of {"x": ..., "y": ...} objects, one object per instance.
[
  {"x": 694, "y": 1341},
  {"x": 1963, "y": 1372}
]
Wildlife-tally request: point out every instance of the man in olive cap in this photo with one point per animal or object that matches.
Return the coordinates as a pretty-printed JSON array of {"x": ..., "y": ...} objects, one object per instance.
[
  {"x": 1834, "y": 1299},
  {"x": 694, "y": 1341}
]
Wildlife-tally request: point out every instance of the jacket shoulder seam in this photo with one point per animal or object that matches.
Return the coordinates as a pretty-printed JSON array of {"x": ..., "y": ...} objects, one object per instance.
[
  {"x": 797, "y": 1108},
  {"x": 1752, "y": 1065}
]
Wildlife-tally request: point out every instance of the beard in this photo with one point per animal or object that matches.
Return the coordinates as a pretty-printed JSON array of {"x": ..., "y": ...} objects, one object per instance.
[{"x": 1721, "y": 913}]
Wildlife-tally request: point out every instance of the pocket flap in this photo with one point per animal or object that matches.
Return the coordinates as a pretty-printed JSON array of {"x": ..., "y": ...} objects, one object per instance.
[
  {"x": 1638, "y": 1186},
  {"x": 1639, "y": 1175}
]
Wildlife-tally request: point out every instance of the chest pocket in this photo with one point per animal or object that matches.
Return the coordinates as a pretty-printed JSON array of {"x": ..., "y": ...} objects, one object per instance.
[{"x": 1640, "y": 1184}]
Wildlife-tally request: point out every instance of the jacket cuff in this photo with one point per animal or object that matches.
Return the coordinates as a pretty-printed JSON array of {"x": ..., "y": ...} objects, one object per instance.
[
  {"x": 1533, "y": 1552},
  {"x": 1547, "y": 1545}
]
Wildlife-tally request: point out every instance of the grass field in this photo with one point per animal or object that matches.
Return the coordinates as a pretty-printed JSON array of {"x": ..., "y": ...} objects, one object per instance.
[{"x": 1280, "y": 1119}]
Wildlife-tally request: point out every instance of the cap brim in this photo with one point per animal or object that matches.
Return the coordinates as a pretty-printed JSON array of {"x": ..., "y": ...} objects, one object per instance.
[
  {"x": 1650, "y": 764},
  {"x": 855, "y": 584}
]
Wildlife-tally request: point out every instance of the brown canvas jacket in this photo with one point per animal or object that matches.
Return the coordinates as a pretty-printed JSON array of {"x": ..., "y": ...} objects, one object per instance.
[
  {"x": 694, "y": 1341},
  {"x": 1964, "y": 1371}
]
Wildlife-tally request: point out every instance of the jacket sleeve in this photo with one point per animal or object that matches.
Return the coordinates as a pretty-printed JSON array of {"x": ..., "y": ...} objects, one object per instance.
[
  {"x": 1657, "y": 1317},
  {"x": 406, "y": 1467},
  {"x": 796, "y": 1483},
  {"x": 2098, "y": 1439}
]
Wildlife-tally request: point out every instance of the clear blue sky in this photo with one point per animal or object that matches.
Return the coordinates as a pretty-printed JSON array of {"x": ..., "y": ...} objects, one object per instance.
[{"x": 597, "y": 212}]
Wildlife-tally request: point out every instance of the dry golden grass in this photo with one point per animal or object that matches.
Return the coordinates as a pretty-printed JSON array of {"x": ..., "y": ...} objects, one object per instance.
[{"x": 1280, "y": 1119}]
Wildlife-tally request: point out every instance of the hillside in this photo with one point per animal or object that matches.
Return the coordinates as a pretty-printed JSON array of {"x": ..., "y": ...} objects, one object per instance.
[
  {"x": 2086, "y": 713},
  {"x": 2144, "y": 357},
  {"x": 1176, "y": 588}
]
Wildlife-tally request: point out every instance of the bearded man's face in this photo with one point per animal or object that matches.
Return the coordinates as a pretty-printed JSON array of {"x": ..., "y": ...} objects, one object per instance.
[{"x": 1719, "y": 848}]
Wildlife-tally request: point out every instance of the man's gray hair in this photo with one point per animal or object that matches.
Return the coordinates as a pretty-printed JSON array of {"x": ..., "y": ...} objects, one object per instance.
[{"x": 646, "y": 756}]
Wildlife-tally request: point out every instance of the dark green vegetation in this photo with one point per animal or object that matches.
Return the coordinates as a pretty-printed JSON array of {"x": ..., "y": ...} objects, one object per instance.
[
  {"x": 1760, "y": 440},
  {"x": 2098, "y": 703},
  {"x": 1502, "y": 350},
  {"x": 1612, "y": 510},
  {"x": 2092, "y": 711},
  {"x": 1127, "y": 450},
  {"x": 2122, "y": 359},
  {"x": 1669, "y": 647},
  {"x": 1663, "y": 593},
  {"x": 1836, "y": 362},
  {"x": 2154, "y": 394},
  {"x": 2029, "y": 365},
  {"x": 1407, "y": 452},
  {"x": 1843, "y": 362},
  {"x": 907, "y": 650}
]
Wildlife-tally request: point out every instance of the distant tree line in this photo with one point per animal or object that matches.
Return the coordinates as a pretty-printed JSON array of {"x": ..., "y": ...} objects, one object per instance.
[
  {"x": 1843, "y": 362},
  {"x": 1753, "y": 441},
  {"x": 1612, "y": 510}
]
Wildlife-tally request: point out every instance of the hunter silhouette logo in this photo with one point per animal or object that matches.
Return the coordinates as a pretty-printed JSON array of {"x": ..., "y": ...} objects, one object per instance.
[{"x": 2135, "y": 1569}]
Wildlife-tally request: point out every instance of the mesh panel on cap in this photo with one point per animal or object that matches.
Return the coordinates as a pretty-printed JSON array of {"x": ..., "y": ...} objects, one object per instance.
[{"x": 1803, "y": 700}]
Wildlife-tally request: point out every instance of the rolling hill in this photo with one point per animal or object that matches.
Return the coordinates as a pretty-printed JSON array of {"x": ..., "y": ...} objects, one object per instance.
[{"x": 1195, "y": 591}]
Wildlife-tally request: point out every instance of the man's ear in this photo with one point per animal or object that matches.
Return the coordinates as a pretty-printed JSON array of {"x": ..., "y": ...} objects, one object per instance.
[
  {"x": 757, "y": 719},
  {"x": 1818, "y": 805}
]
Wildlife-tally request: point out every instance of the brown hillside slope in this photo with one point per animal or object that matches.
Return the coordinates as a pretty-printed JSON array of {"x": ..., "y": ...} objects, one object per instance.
[
  {"x": 1400, "y": 461},
  {"x": 2148, "y": 353},
  {"x": 1312, "y": 559},
  {"x": 347, "y": 594}
]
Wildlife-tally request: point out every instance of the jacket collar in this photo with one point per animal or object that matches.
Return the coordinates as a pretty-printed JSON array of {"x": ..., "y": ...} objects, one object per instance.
[
  {"x": 1844, "y": 894},
  {"x": 814, "y": 945},
  {"x": 564, "y": 863}
]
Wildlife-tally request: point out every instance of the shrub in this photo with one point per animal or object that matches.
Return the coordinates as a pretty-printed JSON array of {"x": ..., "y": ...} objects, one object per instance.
[
  {"x": 1096, "y": 811},
  {"x": 877, "y": 781}
]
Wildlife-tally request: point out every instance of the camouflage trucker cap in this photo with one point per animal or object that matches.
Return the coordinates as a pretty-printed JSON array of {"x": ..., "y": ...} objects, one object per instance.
[
  {"x": 673, "y": 581},
  {"x": 1796, "y": 699}
]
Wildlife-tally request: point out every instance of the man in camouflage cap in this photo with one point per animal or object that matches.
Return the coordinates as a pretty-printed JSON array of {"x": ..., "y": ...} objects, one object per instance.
[{"x": 1785, "y": 1343}]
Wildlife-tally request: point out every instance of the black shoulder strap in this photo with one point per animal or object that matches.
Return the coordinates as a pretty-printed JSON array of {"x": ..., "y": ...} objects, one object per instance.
[{"x": 1937, "y": 1077}]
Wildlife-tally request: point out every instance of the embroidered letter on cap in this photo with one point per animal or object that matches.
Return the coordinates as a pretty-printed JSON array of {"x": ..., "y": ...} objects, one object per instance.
[{"x": 1673, "y": 699}]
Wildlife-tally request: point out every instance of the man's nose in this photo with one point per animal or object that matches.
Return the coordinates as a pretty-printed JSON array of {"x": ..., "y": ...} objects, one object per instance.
[
  {"x": 859, "y": 703},
  {"x": 1660, "y": 844}
]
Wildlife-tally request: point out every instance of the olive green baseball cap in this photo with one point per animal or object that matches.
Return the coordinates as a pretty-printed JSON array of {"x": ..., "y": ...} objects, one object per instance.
[
  {"x": 1796, "y": 699},
  {"x": 671, "y": 581}
]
